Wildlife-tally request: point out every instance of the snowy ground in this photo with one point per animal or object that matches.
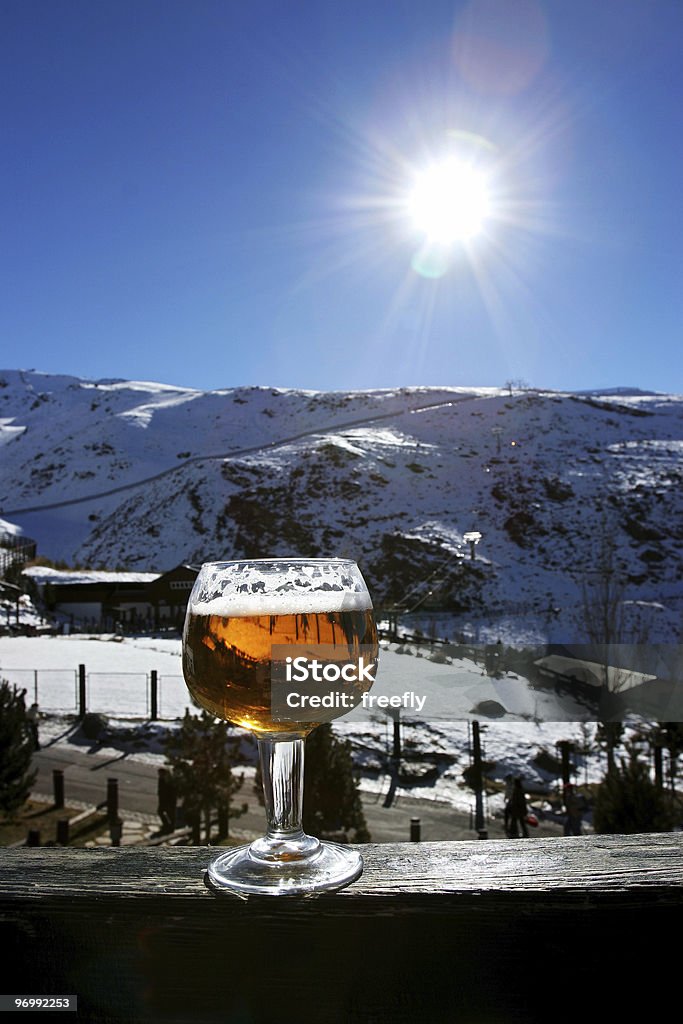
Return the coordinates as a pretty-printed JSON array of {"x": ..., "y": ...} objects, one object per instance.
[{"x": 436, "y": 749}]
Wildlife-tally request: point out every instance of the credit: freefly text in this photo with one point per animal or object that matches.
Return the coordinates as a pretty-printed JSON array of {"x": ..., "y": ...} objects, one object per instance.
[{"x": 348, "y": 700}]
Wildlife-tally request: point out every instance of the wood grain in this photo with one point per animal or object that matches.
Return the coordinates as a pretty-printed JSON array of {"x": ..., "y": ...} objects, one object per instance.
[{"x": 585, "y": 863}]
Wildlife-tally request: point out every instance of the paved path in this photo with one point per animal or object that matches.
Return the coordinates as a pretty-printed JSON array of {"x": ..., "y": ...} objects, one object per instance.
[
  {"x": 234, "y": 453},
  {"x": 86, "y": 774},
  {"x": 85, "y": 783}
]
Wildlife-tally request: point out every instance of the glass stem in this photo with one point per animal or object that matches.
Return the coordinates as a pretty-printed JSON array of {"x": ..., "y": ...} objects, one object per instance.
[{"x": 282, "y": 771}]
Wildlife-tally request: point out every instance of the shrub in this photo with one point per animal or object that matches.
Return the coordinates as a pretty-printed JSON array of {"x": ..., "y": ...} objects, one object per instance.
[
  {"x": 16, "y": 750},
  {"x": 628, "y": 801}
]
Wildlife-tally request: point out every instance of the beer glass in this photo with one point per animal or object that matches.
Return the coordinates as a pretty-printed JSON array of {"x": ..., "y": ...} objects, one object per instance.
[{"x": 237, "y": 613}]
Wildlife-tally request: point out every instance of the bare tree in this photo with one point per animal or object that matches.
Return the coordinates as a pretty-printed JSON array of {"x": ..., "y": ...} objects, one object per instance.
[
  {"x": 606, "y": 626},
  {"x": 516, "y": 384}
]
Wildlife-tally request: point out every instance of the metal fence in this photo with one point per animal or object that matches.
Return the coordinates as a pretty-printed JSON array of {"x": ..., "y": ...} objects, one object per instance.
[
  {"x": 173, "y": 696},
  {"x": 53, "y": 689},
  {"x": 118, "y": 694}
]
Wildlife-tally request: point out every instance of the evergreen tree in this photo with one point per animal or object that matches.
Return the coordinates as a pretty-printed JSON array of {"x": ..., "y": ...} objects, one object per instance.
[
  {"x": 628, "y": 800},
  {"x": 661, "y": 736},
  {"x": 609, "y": 736},
  {"x": 16, "y": 750},
  {"x": 201, "y": 755},
  {"x": 332, "y": 800}
]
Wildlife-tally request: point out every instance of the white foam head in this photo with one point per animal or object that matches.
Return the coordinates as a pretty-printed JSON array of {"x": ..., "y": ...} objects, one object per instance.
[{"x": 279, "y": 587}]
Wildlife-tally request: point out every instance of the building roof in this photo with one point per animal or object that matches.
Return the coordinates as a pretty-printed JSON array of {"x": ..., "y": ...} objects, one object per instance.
[{"x": 41, "y": 575}]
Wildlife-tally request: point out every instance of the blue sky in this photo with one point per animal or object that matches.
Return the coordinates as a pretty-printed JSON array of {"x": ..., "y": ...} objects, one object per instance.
[{"x": 214, "y": 194}]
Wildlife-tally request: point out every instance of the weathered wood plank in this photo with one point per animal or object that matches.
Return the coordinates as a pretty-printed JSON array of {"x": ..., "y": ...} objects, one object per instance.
[
  {"x": 582, "y": 864},
  {"x": 473, "y": 933}
]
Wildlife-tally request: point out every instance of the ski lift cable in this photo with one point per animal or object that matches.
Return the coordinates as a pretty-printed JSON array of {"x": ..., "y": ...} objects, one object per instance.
[
  {"x": 420, "y": 583},
  {"x": 417, "y": 605},
  {"x": 426, "y": 579}
]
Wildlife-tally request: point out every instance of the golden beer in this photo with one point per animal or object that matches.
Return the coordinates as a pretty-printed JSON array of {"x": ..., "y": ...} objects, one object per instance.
[
  {"x": 246, "y": 621},
  {"x": 227, "y": 657}
]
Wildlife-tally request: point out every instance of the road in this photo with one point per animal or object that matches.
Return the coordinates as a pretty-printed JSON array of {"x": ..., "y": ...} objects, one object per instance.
[
  {"x": 85, "y": 783},
  {"x": 235, "y": 453}
]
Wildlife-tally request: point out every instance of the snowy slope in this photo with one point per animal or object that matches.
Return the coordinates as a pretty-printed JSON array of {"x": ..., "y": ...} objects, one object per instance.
[
  {"x": 143, "y": 475},
  {"x": 118, "y": 687}
]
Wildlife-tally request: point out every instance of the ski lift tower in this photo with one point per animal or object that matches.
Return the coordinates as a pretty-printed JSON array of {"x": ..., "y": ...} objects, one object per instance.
[{"x": 472, "y": 537}]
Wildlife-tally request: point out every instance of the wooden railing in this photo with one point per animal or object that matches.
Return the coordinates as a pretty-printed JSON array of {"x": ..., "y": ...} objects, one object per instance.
[{"x": 465, "y": 932}]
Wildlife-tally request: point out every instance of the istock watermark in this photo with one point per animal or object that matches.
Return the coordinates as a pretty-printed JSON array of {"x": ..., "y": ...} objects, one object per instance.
[
  {"x": 461, "y": 682},
  {"x": 303, "y": 669},
  {"x": 319, "y": 682}
]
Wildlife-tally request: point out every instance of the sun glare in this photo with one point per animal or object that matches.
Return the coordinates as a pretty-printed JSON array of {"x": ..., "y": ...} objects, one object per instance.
[{"x": 450, "y": 202}]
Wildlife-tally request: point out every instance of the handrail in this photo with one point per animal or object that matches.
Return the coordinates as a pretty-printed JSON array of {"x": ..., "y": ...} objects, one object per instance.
[
  {"x": 584, "y": 864},
  {"x": 471, "y": 932}
]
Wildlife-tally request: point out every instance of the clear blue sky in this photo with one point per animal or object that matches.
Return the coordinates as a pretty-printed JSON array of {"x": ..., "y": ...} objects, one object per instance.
[{"x": 213, "y": 193}]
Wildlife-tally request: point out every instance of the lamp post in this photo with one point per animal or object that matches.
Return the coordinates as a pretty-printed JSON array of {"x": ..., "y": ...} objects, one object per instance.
[{"x": 472, "y": 537}]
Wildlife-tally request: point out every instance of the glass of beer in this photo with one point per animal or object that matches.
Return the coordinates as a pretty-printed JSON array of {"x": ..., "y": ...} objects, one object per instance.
[{"x": 247, "y": 623}]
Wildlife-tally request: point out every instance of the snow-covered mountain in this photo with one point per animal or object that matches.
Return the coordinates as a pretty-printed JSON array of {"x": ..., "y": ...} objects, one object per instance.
[{"x": 560, "y": 486}]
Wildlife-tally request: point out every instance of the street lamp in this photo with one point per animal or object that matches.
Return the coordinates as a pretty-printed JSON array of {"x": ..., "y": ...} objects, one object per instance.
[{"x": 472, "y": 537}]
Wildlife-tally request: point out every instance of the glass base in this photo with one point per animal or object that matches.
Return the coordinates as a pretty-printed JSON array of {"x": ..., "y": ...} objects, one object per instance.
[{"x": 304, "y": 869}]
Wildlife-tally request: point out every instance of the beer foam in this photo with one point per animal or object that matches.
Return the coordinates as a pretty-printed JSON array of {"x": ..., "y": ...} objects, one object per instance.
[{"x": 250, "y": 588}]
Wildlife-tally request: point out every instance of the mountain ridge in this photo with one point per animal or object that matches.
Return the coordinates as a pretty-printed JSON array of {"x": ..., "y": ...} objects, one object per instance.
[{"x": 149, "y": 475}]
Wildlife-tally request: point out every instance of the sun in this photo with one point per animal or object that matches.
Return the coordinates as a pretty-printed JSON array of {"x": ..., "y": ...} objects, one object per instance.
[{"x": 450, "y": 201}]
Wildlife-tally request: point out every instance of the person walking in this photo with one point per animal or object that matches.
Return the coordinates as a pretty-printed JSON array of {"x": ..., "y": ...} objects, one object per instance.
[{"x": 518, "y": 810}]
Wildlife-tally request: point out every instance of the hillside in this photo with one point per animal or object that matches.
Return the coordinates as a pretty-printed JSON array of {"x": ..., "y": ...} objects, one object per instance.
[{"x": 144, "y": 475}]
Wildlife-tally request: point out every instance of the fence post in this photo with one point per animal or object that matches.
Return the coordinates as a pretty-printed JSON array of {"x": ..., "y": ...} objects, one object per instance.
[
  {"x": 35, "y": 685},
  {"x": 33, "y": 837},
  {"x": 566, "y": 747},
  {"x": 195, "y": 824},
  {"x": 81, "y": 692},
  {"x": 58, "y": 786},
  {"x": 415, "y": 830},
  {"x": 479, "y": 822},
  {"x": 658, "y": 765},
  {"x": 153, "y": 695},
  {"x": 63, "y": 831},
  {"x": 112, "y": 800},
  {"x": 116, "y": 831},
  {"x": 396, "y": 752}
]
